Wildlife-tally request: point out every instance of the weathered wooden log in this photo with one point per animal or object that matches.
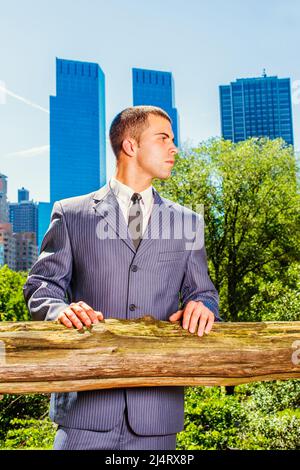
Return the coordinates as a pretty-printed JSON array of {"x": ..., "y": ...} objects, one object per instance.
[{"x": 46, "y": 356}]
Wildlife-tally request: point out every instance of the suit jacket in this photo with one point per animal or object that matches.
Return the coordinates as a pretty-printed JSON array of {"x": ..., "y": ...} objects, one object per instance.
[{"x": 87, "y": 254}]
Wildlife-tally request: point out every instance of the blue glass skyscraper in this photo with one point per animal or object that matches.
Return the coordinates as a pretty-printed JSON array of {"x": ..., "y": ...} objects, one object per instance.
[
  {"x": 77, "y": 130},
  {"x": 152, "y": 87},
  {"x": 257, "y": 107},
  {"x": 77, "y": 134}
]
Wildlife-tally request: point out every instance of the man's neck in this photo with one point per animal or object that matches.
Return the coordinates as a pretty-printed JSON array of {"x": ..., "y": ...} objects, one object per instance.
[{"x": 136, "y": 182}]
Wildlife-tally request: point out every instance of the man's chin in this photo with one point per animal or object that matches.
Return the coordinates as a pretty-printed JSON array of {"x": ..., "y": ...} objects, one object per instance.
[{"x": 164, "y": 176}]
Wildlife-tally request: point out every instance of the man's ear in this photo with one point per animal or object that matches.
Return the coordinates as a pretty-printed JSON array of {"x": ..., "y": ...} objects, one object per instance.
[{"x": 129, "y": 146}]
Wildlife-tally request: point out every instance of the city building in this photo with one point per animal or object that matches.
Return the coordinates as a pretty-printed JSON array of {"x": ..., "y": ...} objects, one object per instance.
[
  {"x": 23, "y": 194},
  {"x": 77, "y": 130},
  {"x": 26, "y": 250},
  {"x": 77, "y": 135},
  {"x": 44, "y": 216},
  {"x": 7, "y": 246},
  {"x": 156, "y": 88},
  {"x": 257, "y": 107},
  {"x": 23, "y": 215},
  {"x": 3, "y": 199}
]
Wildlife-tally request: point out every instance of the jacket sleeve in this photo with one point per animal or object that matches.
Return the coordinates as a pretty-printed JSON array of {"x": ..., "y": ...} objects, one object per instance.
[
  {"x": 50, "y": 276},
  {"x": 197, "y": 284}
]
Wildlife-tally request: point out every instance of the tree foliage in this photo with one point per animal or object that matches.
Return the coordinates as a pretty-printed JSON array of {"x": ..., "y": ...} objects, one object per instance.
[
  {"x": 251, "y": 212},
  {"x": 12, "y": 303}
]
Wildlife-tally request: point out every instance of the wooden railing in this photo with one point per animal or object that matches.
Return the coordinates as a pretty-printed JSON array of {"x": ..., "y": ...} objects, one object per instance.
[{"x": 46, "y": 356}]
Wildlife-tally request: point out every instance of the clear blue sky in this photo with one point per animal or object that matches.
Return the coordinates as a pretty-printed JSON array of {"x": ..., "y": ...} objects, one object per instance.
[{"x": 203, "y": 43}]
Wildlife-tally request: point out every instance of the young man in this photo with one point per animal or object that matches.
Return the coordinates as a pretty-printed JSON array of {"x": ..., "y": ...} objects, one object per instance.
[{"x": 123, "y": 252}]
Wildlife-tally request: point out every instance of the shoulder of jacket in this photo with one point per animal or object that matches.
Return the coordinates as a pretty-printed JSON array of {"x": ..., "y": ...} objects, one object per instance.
[
  {"x": 186, "y": 211},
  {"x": 76, "y": 203}
]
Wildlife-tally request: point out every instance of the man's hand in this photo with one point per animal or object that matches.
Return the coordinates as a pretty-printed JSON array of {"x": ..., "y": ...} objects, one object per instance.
[
  {"x": 79, "y": 314},
  {"x": 195, "y": 315}
]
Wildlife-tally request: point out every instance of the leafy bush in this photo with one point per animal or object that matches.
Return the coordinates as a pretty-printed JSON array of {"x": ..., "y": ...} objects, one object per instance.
[
  {"x": 30, "y": 434},
  {"x": 22, "y": 407},
  {"x": 271, "y": 397},
  {"x": 257, "y": 416},
  {"x": 12, "y": 303}
]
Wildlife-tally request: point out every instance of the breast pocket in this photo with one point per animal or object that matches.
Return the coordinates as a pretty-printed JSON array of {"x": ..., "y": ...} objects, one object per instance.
[{"x": 171, "y": 255}]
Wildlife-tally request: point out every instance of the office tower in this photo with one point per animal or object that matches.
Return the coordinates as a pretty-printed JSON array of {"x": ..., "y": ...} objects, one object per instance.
[
  {"x": 3, "y": 199},
  {"x": 23, "y": 215},
  {"x": 23, "y": 194},
  {"x": 44, "y": 215},
  {"x": 152, "y": 87},
  {"x": 77, "y": 130},
  {"x": 77, "y": 135},
  {"x": 7, "y": 246},
  {"x": 26, "y": 250},
  {"x": 257, "y": 107},
  {"x": 17, "y": 250}
]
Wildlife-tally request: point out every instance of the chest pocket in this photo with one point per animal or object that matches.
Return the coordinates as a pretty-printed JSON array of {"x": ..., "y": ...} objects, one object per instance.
[{"x": 170, "y": 255}]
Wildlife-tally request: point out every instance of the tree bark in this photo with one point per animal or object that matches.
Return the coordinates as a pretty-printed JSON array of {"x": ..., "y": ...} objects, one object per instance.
[{"x": 47, "y": 357}]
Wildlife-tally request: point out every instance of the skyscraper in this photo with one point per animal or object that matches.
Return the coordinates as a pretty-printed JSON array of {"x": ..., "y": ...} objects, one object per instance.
[
  {"x": 23, "y": 194},
  {"x": 77, "y": 135},
  {"x": 77, "y": 130},
  {"x": 26, "y": 250},
  {"x": 23, "y": 215},
  {"x": 152, "y": 87},
  {"x": 257, "y": 107},
  {"x": 3, "y": 199},
  {"x": 7, "y": 246}
]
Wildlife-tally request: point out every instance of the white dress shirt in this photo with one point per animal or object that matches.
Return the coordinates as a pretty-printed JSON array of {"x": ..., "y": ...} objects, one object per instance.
[{"x": 123, "y": 194}]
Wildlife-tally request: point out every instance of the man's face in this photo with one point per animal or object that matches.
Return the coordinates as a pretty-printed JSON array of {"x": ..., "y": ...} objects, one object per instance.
[{"x": 156, "y": 151}]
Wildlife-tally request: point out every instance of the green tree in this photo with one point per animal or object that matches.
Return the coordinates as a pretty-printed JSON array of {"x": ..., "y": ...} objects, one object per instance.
[
  {"x": 12, "y": 303},
  {"x": 251, "y": 212}
]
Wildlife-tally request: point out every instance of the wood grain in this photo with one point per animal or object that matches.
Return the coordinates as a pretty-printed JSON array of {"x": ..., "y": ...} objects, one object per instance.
[{"x": 46, "y": 356}]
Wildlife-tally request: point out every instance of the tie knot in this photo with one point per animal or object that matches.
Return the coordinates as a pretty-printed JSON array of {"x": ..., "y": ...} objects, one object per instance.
[{"x": 136, "y": 197}]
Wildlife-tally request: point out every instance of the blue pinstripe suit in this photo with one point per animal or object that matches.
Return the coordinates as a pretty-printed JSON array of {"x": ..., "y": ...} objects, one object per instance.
[{"x": 87, "y": 254}]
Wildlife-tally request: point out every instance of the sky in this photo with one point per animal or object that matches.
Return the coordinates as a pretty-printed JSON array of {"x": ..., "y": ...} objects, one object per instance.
[{"x": 203, "y": 43}]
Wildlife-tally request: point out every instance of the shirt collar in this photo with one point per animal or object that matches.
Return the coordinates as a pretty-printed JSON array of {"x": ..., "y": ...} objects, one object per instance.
[{"x": 124, "y": 192}]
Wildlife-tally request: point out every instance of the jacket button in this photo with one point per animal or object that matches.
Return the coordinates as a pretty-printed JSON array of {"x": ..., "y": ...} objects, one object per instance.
[
  {"x": 132, "y": 307},
  {"x": 134, "y": 268}
]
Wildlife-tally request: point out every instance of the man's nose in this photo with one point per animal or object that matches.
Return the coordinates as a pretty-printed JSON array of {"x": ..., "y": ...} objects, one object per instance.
[{"x": 173, "y": 149}]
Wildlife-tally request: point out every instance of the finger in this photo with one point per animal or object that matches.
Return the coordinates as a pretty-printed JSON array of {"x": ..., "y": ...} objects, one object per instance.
[
  {"x": 202, "y": 324},
  {"x": 73, "y": 318},
  {"x": 187, "y": 314},
  {"x": 100, "y": 315},
  {"x": 210, "y": 323},
  {"x": 64, "y": 320},
  {"x": 176, "y": 316},
  {"x": 90, "y": 312},
  {"x": 197, "y": 313},
  {"x": 81, "y": 314}
]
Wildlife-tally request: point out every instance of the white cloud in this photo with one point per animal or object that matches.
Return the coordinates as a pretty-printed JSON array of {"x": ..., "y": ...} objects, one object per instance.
[
  {"x": 29, "y": 152},
  {"x": 5, "y": 91}
]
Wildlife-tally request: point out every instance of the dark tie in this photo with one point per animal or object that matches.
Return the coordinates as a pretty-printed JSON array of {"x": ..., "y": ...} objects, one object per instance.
[{"x": 135, "y": 219}]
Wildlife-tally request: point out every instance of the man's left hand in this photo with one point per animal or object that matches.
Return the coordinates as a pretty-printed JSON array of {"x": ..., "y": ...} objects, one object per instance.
[{"x": 195, "y": 316}]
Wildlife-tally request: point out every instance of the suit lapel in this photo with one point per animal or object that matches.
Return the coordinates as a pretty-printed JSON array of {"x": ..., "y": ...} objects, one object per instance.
[
  {"x": 106, "y": 206},
  {"x": 158, "y": 224}
]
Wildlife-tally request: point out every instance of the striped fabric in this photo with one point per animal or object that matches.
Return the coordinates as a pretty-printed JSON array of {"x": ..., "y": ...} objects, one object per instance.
[
  {"x": 120, "y": 437},
  {"x": 87, "y": 254}
]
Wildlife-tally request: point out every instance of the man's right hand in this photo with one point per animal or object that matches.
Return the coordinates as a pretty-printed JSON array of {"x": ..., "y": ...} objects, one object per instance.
[{"x": 79, "y": 314}]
